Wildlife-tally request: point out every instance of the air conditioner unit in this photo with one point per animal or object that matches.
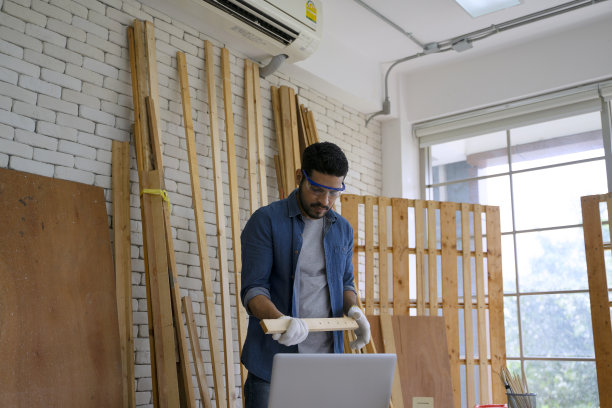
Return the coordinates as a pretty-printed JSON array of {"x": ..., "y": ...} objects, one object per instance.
[{"x": 259, "y": 28}]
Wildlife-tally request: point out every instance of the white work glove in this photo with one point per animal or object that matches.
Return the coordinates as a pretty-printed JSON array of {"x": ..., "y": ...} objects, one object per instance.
[
  {"x": 295, "y": 334},
  {"x": 363, "y": 331}
]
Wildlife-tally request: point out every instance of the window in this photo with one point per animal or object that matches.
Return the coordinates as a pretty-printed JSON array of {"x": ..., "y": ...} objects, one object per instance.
[{"x": 535, "y": 171}]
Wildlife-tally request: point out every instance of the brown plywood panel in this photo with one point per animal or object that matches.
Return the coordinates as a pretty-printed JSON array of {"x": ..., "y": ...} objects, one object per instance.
[
  {"x": 58, "y": 312},
  {"x": 422, "y": 355}
]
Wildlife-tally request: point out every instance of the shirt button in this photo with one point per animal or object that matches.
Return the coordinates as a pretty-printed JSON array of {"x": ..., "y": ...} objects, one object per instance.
[{"x": 296, "y": 252}]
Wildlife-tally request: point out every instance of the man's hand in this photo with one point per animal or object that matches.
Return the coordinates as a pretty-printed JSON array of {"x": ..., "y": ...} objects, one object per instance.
[
  {"x": 363, "y": 332},
  {"x": 296, "y": 332}
]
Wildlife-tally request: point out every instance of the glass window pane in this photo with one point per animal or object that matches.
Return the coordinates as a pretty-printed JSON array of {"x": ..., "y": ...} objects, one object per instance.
[
  {"x": 469, "y": 158},
  {"x": 551, "y": 197},
  {"x": 558, "y": 141},
  {"x": 511, "y": 327},
  {"x": 557, "y": 326},
  {"x": 560, "y": 384},
  {"x": 508, "y": 269},
  {"x": 490, "y": 191},
  {"x": 551, "y": 260}
]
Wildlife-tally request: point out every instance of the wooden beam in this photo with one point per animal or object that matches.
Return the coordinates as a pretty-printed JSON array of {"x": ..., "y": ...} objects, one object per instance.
[
  {"x": 369, "y": 255},
  {"x": 251, "y": 134},
  {"x": 401, "y": 289},
  {"x": 383, "y": 264},
  {"x": 228, "y": 344},
  {"x": 481, "y": 306},
  {"x": 123, "y": 266},
  {"x": 432, "y": 259},
  {"x": 297, "y": 158},
  {"x": 196, "y": 352},
  {"x": 468, "y": 324},
  {"x": 289, "y": 158},
  {"x": 259, "y": 136},
  {"x": 234, "y": 201},
  {"x": 278, "y": 128},
  {"x": 196, "y": 193},
  {"x": 419, "y": 235},
  {"x": 273, "y": 326},
  {"x": 350, "y": 211}
]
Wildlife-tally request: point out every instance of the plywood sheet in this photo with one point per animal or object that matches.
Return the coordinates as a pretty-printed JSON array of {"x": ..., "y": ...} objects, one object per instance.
[
  {"x": 59, "y": 338},
  {"x": 422, "y": 355}
]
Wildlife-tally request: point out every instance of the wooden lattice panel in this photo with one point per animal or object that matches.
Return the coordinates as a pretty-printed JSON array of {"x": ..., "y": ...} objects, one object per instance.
[
  {"x": 599, "y": 289},
  {"x": 409, "y": 258}
]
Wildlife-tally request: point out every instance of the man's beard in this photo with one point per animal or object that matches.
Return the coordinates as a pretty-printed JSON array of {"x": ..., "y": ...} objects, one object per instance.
[{"x": 308, "y": 209}]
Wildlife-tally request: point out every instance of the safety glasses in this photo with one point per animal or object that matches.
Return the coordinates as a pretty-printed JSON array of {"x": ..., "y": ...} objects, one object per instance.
[{"x": 320, "y": 190}]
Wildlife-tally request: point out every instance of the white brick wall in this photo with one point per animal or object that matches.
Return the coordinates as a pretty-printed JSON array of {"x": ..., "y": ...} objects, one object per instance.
[{"x": 65, "y": 94}]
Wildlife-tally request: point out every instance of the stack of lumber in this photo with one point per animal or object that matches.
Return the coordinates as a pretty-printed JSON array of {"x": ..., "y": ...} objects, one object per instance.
[{"x": 295, "y": 130}]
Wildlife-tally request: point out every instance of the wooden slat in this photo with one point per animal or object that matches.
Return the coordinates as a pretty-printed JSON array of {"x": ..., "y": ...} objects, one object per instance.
[
  {"x": 598, "y": 293},
  {"x": 287, "y": 154},
  {"x": 279, "y": 177},
  {"x": 432, "y": 260},
  {"x": 449, "y": 293},
  {"x": 388, "y": 337},
  {"x": 143, "y": 87},
  {"x": 496, "y": 299},
  {"x": 234, "y": 200},
  {"x": 401, "y": 294},
  {"x": 302, "y": 130},
  {"x": 313, "y": 126},
  {"x": 278, "y": 128},
  {"x": 350, "y": 211},
  {"x": 273, "y": 326},
  {"x": 369, "y": 255},
  {"x": 163, "y": 327},
  {"x": 261, "y": 158},
  {"x": 153, "y": 90},
  {"x": 123, "y": 266},
  {"x": 196, "y": 352},
  {"x": 183, "y": 368},
  {"x": 228, "y": 344},
  {"x": 481, "y": 307},
  {"x": 196, "y": 193},
  {"x": 251, "y": 136},
  {"x": 467, "y": 305},
  {"x": 419, "y": 235},
  {"x": 383, "y": 264},
  {"x": 297, "y": 158},
  {"x": 136, "y": 100}
]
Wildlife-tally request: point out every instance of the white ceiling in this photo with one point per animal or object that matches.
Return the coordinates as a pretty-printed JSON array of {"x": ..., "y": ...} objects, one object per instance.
[
  {"x": 358, "y": 47},
  {"x": 355, "y": 28}
]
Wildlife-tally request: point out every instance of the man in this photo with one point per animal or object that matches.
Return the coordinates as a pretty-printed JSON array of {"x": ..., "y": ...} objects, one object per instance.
[{"x": 297, "y": 263}]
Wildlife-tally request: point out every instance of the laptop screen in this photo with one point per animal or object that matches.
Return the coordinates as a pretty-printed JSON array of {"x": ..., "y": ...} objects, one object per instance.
[{"x": 331, "y": 380}]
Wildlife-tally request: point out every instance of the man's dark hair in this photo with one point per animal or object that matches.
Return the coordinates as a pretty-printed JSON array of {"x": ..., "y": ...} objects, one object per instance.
[{"x": 326, "y": 158}]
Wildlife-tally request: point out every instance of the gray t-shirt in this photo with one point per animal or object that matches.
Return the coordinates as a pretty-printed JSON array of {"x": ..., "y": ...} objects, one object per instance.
[{"x": 313, "y": 298}]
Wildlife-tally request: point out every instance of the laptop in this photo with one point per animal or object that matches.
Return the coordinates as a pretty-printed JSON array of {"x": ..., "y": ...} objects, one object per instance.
[{"x": 331, "y": 380}]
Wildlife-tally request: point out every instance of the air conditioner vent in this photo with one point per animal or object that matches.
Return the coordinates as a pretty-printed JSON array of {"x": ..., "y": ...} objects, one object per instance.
[{"x": 256, "y": 19}]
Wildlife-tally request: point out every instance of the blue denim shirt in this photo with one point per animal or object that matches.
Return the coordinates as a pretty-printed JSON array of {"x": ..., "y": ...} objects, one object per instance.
[{"x": 271, "y": 243}]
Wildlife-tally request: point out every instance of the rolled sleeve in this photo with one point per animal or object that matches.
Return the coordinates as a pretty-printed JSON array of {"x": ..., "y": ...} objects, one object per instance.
[{"x": 251, "y": 293}]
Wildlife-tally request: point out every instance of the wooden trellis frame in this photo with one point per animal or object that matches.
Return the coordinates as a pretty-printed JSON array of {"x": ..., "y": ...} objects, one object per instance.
[
  {"x": 430, "y": 244},
  {"x": 599, "y": 289}
]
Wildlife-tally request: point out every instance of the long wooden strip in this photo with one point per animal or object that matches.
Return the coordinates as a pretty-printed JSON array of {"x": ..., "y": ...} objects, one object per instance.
[
  {"x": 143, "y": 87},
  {"x": 250, "y": 135},
  {"x": 272, "y": 326},
  {"x": 383, "y": 264},
  {"x": 388, "y": 337},
  {"x": 228, "y": 344},
  {"x": 259, "y": 135},
  {"x": 420, "y": 255},
  {"x": 369, "y": 255},
  {"x": 450, "y": 294},
  {"x": 196, "y": 193},
  {"x": 123, "y": 266},
  {"x": 598, "y": 293},
  {"x": 136, "y": 43},
  {"x": 289, "y": 160},
  {"x": 278, "y": 128},
  {"x": 350, "y": 212},
  {"x": 234, "y": 200},
  {"x": 279, "y": 177},
  {"x": 153, "y": 91},
  {"x": 313, "y": 126},
  {"x": 496, "y": 299},
  {"x": 401, "y": 294},
  {"x": 481, "y": 306},
  {"x": 432, "y": 259},
  {"x": 183, "y": 368},
  {"x": 196, "y": 352},
  {"x": 163, "y": 327},
  {"x": 297, "y": 158},
  {"x": 467, "y": 304}
]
